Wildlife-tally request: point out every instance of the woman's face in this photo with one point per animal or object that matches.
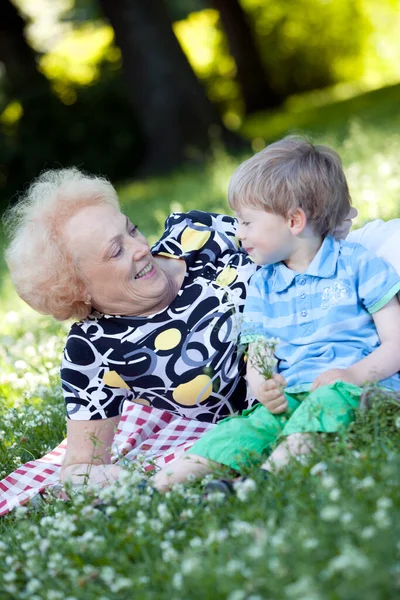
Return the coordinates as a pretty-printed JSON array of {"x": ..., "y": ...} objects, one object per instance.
[{"x": 114, "y": 258}]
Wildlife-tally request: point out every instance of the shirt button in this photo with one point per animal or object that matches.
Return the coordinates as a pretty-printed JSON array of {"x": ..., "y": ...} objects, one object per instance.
[
  {"x": 302, "y": 296},
  {"x": 302, "y": 281},
  {"x": 303, "y": 313}
]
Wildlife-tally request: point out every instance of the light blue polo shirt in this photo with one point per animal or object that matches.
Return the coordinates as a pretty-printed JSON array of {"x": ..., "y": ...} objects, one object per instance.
[{"x": 323, "y": 316}]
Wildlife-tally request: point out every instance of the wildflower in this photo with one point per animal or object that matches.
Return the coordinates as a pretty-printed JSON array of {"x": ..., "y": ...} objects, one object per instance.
[
  {"x": 189, "y": 565},
  {"x": 367, "y": 482},
  {"x": 346, "y": 518},
  {"x": 328, "y": 481},
  {"x": 384, "y": 502},
  {"x": 381, "y": 518},
  {"x": 235, "y": 566},
  {"x": 368, "y": 532},
  {"x": 334, "y": 494},
  {"x": 177, "y": 580},
  {"x": 350, "y": 558},
  {"x": 244, "y": 488},
  {"x": 237, "y": 595},
  {"x": 330, "y": 512},
  {"x": 303, "y": 588},
  {"x": 263, "y": 356},
  {"x": 318, "y": 468}
]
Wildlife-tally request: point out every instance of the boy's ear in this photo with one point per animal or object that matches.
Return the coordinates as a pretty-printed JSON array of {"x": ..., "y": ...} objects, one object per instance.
[{"x": 297, "y": 221}]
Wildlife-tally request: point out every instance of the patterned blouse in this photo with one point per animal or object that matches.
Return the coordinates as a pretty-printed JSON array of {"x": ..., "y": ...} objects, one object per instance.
[{"x": 185, "y": 358}]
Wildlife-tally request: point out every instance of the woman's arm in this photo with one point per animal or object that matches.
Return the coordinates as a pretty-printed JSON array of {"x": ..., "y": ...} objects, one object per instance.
[{"x": 88, "y": 456}]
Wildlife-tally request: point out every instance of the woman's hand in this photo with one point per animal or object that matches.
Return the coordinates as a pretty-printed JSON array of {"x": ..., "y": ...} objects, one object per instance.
[
  {"x": 89, "y": 474},
  {"x": 334, "y": 375},
  {"x": 270, "y": 394},
  {"x": 88, "y": 457}
]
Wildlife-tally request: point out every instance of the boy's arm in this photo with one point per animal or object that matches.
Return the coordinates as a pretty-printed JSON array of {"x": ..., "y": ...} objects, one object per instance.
[
  {"x": 267, "y": 391},
  {"x": 380, "y": 364}
]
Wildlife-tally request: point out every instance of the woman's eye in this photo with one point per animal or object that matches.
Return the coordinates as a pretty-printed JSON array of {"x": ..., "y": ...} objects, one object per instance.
[
  {"x": 132, "y": 229},
  {"x": 117, "y": 252},
  {"x": 246, "y": 223}
]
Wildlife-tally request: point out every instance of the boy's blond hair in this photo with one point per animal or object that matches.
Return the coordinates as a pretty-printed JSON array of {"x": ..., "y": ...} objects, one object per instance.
[{"x": 293, "y": 173}]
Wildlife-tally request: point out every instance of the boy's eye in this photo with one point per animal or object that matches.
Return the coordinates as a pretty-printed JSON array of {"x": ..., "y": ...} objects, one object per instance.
[{"x": 246, "y": 223}]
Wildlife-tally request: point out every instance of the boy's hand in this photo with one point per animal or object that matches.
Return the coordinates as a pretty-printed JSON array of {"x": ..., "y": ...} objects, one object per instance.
[
  {"x": 334, "y": 375},
  {"x": 270, "y": 394}
]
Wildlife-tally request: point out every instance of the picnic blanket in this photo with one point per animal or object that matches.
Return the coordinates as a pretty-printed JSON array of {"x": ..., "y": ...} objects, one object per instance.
[{"x": 156, "y": 436}]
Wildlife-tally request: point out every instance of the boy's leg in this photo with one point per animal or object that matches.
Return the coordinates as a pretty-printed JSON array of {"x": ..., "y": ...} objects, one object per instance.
[
  {"x": 296, "y": 444},
  {"x": 326, "y": 410},
  {"x": 191, "y": 465}
]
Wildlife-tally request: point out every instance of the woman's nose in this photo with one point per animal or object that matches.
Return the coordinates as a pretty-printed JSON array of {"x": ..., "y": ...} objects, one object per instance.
[{"x": 140, "y": 249}]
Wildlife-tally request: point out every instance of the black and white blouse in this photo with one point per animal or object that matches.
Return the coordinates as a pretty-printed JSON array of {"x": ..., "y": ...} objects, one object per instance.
[{"x": 184, "y": 359}]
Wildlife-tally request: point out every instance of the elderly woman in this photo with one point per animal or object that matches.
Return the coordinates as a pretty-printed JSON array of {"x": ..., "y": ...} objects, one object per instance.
[{"x": 157, "y": 326}]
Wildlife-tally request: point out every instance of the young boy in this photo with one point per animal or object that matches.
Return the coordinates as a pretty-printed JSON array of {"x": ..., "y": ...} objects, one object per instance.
[{"x": 331, "y": 303}]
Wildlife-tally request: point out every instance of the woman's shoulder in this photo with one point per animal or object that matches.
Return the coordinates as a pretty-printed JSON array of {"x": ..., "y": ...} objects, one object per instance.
[{"x": 194, "y": 230}]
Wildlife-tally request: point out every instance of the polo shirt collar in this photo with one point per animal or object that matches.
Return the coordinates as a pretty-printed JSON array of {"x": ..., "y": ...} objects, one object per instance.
[{"x": 323, "y": 265}]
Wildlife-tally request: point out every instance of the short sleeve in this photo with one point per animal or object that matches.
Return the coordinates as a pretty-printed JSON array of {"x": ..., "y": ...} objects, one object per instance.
[
  {"x": 92, "y": 389},
  {"x": 186, "y": 232},
  {"x": 377, "y": 281},
  {"x": 257, "y": 296}
]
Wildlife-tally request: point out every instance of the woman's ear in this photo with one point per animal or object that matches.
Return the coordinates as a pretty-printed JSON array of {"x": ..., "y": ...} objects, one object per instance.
[{"x": 297, "y": 221}]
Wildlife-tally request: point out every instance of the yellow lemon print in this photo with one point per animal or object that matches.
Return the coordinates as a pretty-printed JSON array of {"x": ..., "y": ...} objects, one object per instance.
[
  {"x": 167, "y": 339},
  {"x": 193, "y": 240},
  {"x": 226, "y": 277},
  {"x": 114, "y": 380},
  {"x": 141, "y": 401},
  {"x": 189, "y": 393}
]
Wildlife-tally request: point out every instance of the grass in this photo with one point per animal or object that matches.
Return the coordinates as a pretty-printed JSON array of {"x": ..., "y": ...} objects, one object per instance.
[{"x": 324, "y": 530}]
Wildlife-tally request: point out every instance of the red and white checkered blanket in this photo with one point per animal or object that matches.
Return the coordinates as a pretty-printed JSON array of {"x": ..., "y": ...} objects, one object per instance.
[{"x": 157, "y": 436}]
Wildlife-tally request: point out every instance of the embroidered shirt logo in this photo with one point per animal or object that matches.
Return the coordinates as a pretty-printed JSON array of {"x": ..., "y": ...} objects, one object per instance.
[{"x": 332, "y": 296}]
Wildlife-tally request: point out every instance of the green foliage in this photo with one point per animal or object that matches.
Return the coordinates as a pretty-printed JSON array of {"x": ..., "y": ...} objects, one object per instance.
[
  {"x": 97, "y": 133},
  {"x": 309, "y": 44}
]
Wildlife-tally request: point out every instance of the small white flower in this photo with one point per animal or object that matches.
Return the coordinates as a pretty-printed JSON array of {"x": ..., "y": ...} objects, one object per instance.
[
  {"x": 330, "y": 512},
  {"x": 189, "y": 565},
  {"x": 318, "y": 468},
  {"x": 334, "y": 494},
  {"x": 368, "y": 532},
  {"x": 384, "y": 502},
  {"x": 244, "y": 488},
  {"x": 381, "y": 518},
  {"x": 237, "y": 595},
  {"x": 365, "y": 483},
  {"x": 346, "y": 518},
  {"x": 177, "y": 580},
  {"x": 328, "y": 481}
]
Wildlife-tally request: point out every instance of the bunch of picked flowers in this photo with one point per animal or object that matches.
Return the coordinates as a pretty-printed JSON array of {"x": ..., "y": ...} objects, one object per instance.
[{"x": 263, "y": 357}]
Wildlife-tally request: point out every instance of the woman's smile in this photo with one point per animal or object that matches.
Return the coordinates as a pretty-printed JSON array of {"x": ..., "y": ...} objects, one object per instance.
[{"x": 147, "y": 272}]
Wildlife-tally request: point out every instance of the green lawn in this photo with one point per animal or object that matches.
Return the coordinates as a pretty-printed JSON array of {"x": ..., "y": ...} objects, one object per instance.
[{"x": 324, "y": 530}]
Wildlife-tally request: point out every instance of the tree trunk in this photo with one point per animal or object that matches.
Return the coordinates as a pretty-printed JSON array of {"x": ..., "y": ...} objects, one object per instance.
[
  {"x": 256, "y": 91},
  {"x": 15, "y": 53},
  {"x": 171, "y": 106}
]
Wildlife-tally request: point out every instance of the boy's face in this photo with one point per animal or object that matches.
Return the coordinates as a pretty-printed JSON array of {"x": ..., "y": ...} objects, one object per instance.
[{"x": 265, "y": 236}]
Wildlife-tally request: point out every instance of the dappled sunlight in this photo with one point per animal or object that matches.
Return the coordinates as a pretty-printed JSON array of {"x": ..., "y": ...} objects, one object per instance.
[{"x": 76, "y": 59}]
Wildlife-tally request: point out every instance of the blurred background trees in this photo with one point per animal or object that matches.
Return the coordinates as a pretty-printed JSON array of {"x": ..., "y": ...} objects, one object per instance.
[{"x": 131, "y": 87}]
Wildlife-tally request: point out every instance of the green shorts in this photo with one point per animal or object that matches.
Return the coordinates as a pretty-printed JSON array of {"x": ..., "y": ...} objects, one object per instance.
[{"x": 247, "y": 439}]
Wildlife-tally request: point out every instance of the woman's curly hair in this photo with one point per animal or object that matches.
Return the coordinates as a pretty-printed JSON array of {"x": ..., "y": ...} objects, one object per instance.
[{"x": 42, "y": 268}]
